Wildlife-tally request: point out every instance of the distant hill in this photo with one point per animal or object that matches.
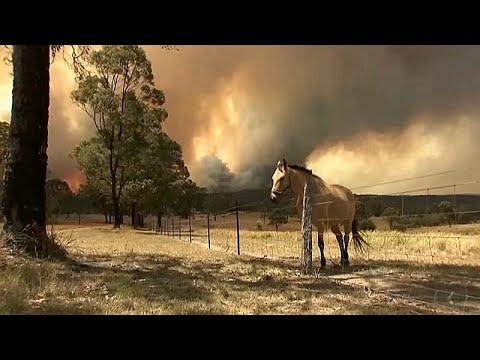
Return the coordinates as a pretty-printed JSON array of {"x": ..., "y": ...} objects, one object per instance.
[{"x": 258, "y": 199}]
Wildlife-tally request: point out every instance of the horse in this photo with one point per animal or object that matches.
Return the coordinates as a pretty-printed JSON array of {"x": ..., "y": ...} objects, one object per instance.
[{"x": 332, "y": 205}]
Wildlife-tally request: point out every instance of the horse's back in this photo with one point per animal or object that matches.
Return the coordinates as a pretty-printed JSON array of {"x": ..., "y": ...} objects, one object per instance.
[
  {"x": 342, "y": 207},
  {"x": 343, "y": 193},
  {"x": 345, "y": 204}
]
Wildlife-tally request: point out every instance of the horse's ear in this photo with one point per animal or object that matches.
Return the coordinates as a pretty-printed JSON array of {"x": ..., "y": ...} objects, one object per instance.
[
  {"x": 279, "y": 165},
  {"x": 284, "y": 164}
]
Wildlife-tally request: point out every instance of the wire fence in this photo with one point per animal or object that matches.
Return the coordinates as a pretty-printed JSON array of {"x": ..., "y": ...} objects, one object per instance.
[{"x": 437, "y": 268}]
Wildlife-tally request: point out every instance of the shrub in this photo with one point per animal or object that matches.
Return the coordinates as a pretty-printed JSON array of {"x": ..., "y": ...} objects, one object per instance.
[
  {"x": 400, "y": 227},
  {"x": 366, "y": 224}
]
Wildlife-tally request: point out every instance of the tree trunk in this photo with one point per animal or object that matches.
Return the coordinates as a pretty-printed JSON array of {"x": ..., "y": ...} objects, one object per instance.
[
  {"x": 26, "y": 166},
  {"x": 159, "y": 222},
  {"x": 138, "y": 220},
  {"x": 115, "y": 201},
  {"x": 106, "y": 217},
  {"x": 134, "y": 215},
  {"x": 141, "y": 221},
  {"x": 116, "y": 214},
  {"x": 121, "y": 213}
]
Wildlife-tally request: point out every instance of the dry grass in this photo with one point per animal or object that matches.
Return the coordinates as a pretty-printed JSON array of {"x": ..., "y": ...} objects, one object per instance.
[
  {"x": 137, "y": 272},
  {"x": 423, "y": 247}
]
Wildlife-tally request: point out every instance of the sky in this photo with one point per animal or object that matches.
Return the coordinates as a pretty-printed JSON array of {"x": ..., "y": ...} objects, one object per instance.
[{"x": 356, "y": 115}]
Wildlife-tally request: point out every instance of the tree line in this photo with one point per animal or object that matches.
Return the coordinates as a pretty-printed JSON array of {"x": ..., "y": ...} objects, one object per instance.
[{"x": 130, "y": 162}]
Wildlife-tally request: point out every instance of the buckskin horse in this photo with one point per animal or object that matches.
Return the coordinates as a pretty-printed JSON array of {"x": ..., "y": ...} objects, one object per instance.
[{"x": 332, "y": 205}]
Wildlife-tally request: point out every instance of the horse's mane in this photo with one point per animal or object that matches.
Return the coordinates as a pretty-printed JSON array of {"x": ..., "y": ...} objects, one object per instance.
[{"x": 303, "y": 169}]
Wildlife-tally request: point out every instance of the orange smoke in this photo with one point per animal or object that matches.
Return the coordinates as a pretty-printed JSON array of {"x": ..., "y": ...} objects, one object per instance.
[{"x": 74, "y": 180}]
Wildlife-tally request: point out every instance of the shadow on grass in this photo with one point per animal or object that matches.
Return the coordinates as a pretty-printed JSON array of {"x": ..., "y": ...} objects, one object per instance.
[
  {"x": 203, "y": 287},
  {"x": 216, "y": 285},
  {"x": 65, "y": 309},
  {"x": 454, "y": 286}
]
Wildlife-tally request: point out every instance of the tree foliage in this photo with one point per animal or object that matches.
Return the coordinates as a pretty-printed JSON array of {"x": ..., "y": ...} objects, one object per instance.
[
  {"x": 278, "y": 217},
  {"x": 446, "y": 208},
  {"x": 59, "y": 198}
]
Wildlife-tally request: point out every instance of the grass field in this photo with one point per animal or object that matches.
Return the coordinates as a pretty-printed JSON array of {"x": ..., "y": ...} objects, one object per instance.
[{"x": 139, "y": 272}]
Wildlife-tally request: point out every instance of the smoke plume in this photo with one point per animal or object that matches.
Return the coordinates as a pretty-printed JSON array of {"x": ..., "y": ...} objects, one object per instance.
[{"x": 358, "y": 115}]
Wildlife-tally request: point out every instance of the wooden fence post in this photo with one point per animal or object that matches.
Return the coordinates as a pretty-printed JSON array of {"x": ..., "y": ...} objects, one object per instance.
[
  {"x": 307, "y": 266},
  {"x": 208, "y": 229},
  {"x": 238, "y": 228}
]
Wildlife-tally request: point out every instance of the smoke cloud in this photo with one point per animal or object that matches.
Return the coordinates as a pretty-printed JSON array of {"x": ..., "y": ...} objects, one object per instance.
[
  {"x": 68, "y": 125},
  {"x": 358, "y": 115}
]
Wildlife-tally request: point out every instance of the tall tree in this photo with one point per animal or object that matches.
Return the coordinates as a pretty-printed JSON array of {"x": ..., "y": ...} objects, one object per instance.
[
  {"x": 26, "y": 166},
  {"x": 164, "y": 165},
  {"x": 23, "y": 201},
  {"x": 120, "y": 97}
]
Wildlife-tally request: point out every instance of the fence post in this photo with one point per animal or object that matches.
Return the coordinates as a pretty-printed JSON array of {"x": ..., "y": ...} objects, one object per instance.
[
  {"x": 208, "y": 229},
  {"x": 238, "y": 228},
  {"x": 454, "y": 204},
  {"x": 190, "y": 227},
  {"x": 179, "y": 229},
  {"x": 166, "y": 226},
  {"x": 307, "y": 232},
  {"x": 173, "y": 227}
]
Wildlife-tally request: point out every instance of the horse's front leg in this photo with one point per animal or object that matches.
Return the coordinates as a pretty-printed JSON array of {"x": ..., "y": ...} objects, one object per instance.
[{"x": 321, "y": 247}]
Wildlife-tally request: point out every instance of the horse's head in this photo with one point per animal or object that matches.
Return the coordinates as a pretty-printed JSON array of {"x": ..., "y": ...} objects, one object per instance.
[{"x": 281, "y": 180}]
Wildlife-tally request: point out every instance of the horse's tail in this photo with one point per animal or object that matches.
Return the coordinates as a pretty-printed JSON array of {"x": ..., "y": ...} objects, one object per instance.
[{"x": 359, "y": 242}]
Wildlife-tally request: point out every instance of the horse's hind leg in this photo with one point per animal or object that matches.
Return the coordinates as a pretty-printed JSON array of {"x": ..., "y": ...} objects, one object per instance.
[
  {"x": 347, "y": 225},
  {"x": 338, "y": 234}
]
